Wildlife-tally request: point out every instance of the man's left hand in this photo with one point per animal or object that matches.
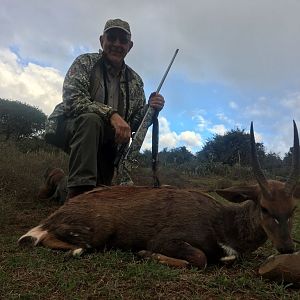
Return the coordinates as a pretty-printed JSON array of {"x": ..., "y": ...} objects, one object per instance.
[{"x": 156, "y": 101}]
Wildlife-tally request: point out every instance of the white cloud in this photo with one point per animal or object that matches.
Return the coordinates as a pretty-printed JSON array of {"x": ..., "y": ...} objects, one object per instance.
[
  {"x": 292, "y": 101},
  {"x": 280, "y": 138},
  {"x": 33, "y": 84},
  {"x": 170, "y": 139},
  {"x": 233, "y": 105},
  {"x": 243, "y": 43},
  {"x": 224, "y": 118},
  {"x": 252, "y": 47},
  {"x": 190, "y": 139},
  {"x": 164, "y": 125},
  {"x": 218, "y": 129},
  {"x": 258, "y": 137},
  {"x": 202, "y": 123},
  {"x": 262, "y": 107}
]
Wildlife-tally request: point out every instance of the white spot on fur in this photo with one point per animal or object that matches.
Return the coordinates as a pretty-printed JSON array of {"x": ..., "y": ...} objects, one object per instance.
[
  {"x": 37, "y": 233},
  {"x": 77, "y": 252},
  {"x": 74, "y": 234},
  {"x": 228, "y": 250}
]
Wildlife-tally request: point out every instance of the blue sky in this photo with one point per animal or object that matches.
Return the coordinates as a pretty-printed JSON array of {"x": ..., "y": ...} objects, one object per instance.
[{"x": 238, "y": 60}]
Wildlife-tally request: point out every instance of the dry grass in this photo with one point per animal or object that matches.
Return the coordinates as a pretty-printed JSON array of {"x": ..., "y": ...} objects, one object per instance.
[{"x": 46, "y": 274}]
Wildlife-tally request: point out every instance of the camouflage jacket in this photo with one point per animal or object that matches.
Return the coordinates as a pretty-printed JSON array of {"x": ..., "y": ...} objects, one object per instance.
[{"x": 78, "y": 92}]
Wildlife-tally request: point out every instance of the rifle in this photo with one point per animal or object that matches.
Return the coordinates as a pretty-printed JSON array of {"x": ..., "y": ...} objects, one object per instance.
[{"x": 126, "y": 159}]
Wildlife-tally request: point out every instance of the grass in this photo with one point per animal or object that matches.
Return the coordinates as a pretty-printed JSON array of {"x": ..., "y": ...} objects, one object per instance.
[{"x": 41, "y": 273}]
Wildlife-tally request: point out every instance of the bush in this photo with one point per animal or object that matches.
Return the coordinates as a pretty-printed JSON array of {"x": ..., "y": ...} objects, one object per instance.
[
  {"x": 22, "y": 173},
  {"x": 20, "y": 120}
]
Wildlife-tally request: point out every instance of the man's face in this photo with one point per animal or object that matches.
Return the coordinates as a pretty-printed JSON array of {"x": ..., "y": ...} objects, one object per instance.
[{"x": 116, "y": 43}]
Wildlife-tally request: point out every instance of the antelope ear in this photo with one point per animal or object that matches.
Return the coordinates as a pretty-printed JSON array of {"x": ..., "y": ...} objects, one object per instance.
[{"x": 239, "y": 194}]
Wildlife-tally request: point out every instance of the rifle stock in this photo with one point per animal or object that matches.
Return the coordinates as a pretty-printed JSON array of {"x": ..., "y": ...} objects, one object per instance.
[{"x": 126, "y": 159}]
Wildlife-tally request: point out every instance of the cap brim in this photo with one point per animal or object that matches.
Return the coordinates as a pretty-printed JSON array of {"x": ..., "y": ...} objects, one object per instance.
[{"x": 119, "y": 27}]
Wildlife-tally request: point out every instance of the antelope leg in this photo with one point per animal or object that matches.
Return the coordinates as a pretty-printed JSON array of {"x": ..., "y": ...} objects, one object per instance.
[
  {"x": 180, "y": 249},
  {"x": 163, "y": 259},
  {"x": 52, "y": 242}
]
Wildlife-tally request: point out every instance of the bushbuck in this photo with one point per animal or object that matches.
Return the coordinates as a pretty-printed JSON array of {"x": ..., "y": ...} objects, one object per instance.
[{"x": 177, "y": 227}]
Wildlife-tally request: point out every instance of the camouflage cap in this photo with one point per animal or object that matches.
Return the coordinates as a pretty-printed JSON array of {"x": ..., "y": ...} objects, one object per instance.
[{"x": 117, "y": 23}]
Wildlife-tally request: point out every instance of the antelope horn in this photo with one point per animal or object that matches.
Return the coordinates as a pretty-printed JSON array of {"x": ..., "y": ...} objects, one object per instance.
[
  {"x": 291, "y": 183},
  {"x": 258, "y": 173}
]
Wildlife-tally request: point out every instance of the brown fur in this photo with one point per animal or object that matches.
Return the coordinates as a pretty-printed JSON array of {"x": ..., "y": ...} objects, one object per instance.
[{"x": 185, "y": 224}]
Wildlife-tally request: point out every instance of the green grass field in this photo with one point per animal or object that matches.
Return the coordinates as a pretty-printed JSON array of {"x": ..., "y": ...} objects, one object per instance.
[{"x": 41, "y": 273}]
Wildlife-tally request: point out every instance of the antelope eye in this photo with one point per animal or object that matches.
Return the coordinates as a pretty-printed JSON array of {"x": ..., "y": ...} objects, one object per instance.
[{"x": 264, "y": 210}]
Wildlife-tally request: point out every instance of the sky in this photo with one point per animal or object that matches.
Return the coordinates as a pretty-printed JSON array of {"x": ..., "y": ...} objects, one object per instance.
[{"x": 238, "y": 61}]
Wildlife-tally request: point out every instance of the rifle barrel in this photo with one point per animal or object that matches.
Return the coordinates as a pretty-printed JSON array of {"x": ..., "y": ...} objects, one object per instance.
[
  {"x": 135, "y": 144},
  {"x": 167, "y": 71}
]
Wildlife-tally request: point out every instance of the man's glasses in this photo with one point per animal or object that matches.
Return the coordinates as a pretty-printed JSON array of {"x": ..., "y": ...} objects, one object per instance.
[{"x": 112, "y": 37}]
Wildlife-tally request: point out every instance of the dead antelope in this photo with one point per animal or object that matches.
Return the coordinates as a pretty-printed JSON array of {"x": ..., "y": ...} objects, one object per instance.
[{"x": 177, "y": 227}]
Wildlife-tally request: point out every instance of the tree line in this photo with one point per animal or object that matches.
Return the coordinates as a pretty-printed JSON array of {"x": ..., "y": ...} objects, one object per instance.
[{"x": 22, "y": 122}]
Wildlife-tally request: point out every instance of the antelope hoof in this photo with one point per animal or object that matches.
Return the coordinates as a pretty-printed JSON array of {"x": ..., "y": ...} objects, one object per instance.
[
  {"x": 77, "y": 252},
  {"x": 228, "y": 259}
]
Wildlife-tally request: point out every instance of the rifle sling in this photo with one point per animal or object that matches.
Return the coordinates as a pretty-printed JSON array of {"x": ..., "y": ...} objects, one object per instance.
[{"x": 155, "y": 140}]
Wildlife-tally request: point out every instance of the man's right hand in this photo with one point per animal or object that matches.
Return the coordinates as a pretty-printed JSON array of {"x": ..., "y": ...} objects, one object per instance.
[{"x": 122, "y": 129}]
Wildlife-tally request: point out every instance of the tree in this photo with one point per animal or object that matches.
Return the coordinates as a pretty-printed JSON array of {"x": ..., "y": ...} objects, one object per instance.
[
  {"x": 20, "y": 120},
  {"x": 271, "y": 161},
  {"x": 231, "y": 148},
  {"x": 145, "y": 158},
  {"x": 176, "y": 156},
  {"x": 288, "y": 158}
]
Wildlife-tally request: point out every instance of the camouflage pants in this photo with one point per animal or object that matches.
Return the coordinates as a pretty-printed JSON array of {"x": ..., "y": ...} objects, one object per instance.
[{"x": 89, "y": 140}]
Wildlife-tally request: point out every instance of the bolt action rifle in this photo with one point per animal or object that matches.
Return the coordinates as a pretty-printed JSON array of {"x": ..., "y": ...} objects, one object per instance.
[{"x": 126, "y": 159}]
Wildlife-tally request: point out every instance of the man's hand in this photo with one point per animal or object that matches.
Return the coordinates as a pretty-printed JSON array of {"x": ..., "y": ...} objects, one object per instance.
[
  {"x": 156, "y": 101},
  {"x": 122, "y": 129}
]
